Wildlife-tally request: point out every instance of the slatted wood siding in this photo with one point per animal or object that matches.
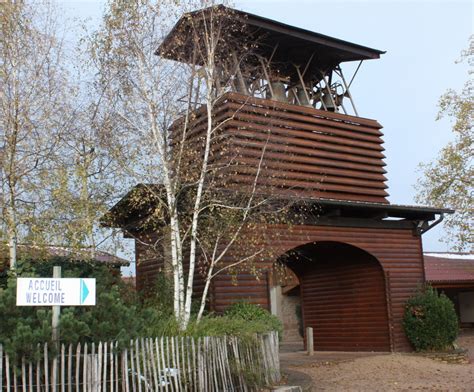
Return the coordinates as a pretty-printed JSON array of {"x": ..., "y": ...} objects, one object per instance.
[
  {"x": 308, "y": 152},
  {"x": 343, "y": 297},
  {"x": 153, "y": 257},
  {"x": 150, "y": 260},
  {"x": 228, "y": 288},
  {"x": 398, "y": 251}
]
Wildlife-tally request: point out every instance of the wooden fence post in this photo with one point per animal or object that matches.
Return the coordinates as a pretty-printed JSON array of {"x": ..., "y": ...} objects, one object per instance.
[
  {"x": 309, "y": 340},
  {"x": 168, "y": 364}
]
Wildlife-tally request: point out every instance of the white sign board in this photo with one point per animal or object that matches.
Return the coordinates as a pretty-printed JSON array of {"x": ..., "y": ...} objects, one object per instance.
[{"x": 55, "y": 292}]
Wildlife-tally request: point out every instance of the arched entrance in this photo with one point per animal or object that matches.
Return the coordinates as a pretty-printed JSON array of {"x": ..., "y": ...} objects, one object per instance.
[{"x": 342, "y": 291}]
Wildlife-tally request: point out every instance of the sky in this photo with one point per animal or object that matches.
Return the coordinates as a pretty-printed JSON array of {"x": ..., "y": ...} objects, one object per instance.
[{"x": 423, "y": 40}]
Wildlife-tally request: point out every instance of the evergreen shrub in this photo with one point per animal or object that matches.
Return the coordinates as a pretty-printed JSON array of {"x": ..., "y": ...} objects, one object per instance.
[
  {"x": 118, "y": 315},
  {"x": 430, "y": 321},
  {"x": 256, "y": 315}
]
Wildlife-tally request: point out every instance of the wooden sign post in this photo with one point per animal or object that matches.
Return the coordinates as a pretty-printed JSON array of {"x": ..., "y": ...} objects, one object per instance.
[{"x": 56, "y": 311}]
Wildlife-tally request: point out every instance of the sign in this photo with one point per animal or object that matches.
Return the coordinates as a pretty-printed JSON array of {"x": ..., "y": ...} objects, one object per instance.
[{"x": 55, "y": 292}]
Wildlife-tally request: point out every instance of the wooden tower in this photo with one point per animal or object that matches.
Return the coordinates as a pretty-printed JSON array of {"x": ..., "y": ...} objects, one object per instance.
[{"x": 354, "y": 258}]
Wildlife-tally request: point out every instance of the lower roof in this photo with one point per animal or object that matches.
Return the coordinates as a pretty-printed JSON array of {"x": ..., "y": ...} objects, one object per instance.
[
  {"x": 136, "y": 205},
  {"x": 449, "y": 267},
  {"x": 384, "y": 210},
  {"x": 46, "y": 252}
]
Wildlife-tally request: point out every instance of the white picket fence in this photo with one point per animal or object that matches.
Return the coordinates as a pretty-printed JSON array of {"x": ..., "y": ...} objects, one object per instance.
[{"x": 168, "y": 364}]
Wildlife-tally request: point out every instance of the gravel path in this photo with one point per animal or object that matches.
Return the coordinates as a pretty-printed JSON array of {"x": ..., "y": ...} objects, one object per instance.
[{"x": 394, "y": 372}]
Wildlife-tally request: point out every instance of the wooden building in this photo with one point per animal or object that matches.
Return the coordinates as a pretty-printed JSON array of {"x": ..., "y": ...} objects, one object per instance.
[
  {"x": 352, "y": 259},
  {"x": 453, "y": 274}
]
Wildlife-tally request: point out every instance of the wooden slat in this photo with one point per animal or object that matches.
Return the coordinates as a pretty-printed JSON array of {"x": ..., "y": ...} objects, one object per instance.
[
  {"x": 272, "y": 162},
  {"x": 294, "y": 135},
  {"x": 304, "y": 151},
  {"x": 322, "y": 125},
  {"x": 398, "y": 252},
  {"x": 372, "y": 124}
]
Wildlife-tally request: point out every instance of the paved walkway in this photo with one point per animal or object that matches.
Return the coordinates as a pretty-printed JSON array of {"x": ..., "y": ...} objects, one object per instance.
[
  {"x": 297, "y": 366},
  {"x": 293, "y": 355}
]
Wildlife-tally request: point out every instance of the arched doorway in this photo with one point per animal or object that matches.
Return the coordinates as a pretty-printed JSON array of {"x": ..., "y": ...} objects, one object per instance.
[{"x": 342, "y": 291}]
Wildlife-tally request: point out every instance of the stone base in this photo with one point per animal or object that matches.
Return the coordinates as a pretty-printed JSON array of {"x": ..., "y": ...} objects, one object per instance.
[{"x": 459, "y": 356}]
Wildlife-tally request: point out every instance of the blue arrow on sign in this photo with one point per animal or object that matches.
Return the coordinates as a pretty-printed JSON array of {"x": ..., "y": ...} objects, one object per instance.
[{"x": 84, "y": 291}]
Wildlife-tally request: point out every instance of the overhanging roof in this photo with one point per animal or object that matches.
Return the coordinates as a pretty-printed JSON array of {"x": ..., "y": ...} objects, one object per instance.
[
  {"x": 385, "y": 210},
  {"x": 294, "y": 44},
  {"x": 77, "y": 254},
  {"x": 132, "y": 210}
]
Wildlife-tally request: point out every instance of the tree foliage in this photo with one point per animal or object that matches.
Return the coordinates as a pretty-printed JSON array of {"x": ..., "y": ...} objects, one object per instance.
[
  {"x": 59, "y": 171},
  {"x": 33, "y": 113},
  {"x": 118, "y": 315},
  {"x": 448, "y": 181}
]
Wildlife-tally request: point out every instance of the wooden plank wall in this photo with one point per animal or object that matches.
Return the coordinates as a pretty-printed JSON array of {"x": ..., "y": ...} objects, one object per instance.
[
  {"x": 152, "y": 257},
  {"x": 343, "y": 297},
  {"x": 226, "y": 290},
  {"x": 149, "y": 261},
  {"x": 399, "y": 252},
  {"x": 308, "y": 152}
]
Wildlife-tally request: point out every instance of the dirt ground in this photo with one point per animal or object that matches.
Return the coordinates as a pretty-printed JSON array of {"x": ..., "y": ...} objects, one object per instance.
[{"x": 393, "y": 372}]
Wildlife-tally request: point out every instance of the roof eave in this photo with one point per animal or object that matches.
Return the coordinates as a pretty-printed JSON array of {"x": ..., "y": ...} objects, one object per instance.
[{"x": 361, "y": 52}]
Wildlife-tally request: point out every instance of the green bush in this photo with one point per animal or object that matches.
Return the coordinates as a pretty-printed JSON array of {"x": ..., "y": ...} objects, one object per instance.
[
  {"x": 254, "y": 314},
  {"x": 118, "y": 315},
  {"x": 430, "y": 321},
  {"x": 242, "y": 319}
]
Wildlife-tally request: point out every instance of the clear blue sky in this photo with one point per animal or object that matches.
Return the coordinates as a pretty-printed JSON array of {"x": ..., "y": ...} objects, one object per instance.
[{"x": 423, "y": 39}]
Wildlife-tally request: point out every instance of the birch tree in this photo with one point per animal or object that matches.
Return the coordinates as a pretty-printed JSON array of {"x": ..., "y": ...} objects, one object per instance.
[
  {"x": 160, "y": 103},
  {"x": 58, "y": 172},
  {"x": 33, "y": 81}
]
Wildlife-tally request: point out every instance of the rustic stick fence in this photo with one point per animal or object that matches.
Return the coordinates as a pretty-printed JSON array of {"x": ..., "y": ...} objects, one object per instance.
[{"x": 168, "y": 364}]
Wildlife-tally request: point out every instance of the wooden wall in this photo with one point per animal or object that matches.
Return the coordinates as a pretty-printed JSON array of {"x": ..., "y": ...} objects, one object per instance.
[
  {"x": 307, "y": 152},
  {"x": 398, "y": 251},
  {"x": 153, "y": 257},
  {"x": 149, "y": 261},
  {"x": 343, "y": 297}
]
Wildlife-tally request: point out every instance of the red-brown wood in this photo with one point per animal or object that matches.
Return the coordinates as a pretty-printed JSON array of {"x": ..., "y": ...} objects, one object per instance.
[
  {"x": 398, "y": 252},
  {"x": 324, "y": 154},
  {"x": 343, "y": 297},
  {"x": 313, "y": 154}
]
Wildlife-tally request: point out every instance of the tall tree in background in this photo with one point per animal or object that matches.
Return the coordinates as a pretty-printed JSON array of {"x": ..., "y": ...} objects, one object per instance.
[
  {"x": 33, "y": 80},
  {"x": 59, "y": 173},
  {"x": 448, "y": 181}
]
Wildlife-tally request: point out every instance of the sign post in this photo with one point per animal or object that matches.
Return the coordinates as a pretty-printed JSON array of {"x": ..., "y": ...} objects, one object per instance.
[
  {"x": 56, "y": 310},
  {"x": 55, "y": 292}
]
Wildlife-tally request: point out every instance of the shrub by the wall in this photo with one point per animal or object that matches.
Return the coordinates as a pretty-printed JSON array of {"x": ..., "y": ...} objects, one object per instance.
[
  {"x": 430, "y": 321},
  {"x": 254, "y": 314}
]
